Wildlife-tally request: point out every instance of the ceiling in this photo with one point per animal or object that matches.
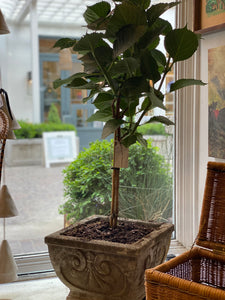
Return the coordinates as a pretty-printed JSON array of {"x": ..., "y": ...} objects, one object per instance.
[{"x": 49, "y": 11}]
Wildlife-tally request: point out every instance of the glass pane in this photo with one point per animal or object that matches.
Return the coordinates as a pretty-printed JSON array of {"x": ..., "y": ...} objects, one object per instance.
[
  {"x": 37, "y": 193},
  {"x": 51, "y": 95},
  {"x": 81, "y": 116},
  {"x": 77, "y": 95}
]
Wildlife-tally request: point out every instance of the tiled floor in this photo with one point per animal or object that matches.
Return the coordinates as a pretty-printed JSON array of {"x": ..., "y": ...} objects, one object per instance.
[{"x": 42, "y": 289}]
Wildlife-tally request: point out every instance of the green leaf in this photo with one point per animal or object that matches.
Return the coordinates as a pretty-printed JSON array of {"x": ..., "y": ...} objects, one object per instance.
[
  {"x": 100, "y": 24},
  {"x": 146, "y": 104},
  {"x": 141, "y": 140},
  {"x": 149, "y": 66},
  {"x": 59, "y": 82},
  {"x": 142, "y": 3},
  {"x": 65, "y": 43},
  {"x": 181, "y": 44},
  {"x": 95, "y": 77},
  {"x": 160, "y": 119},
  {"x": 128, "y": 65},
  {"x": 80, "y": 83},
  {"x": 96, "y": 11},
  {"x": 127, "y": 37},
  {"x": 159, "y": 57},
  {"x": 134, "y": 87},
  {"x": 152, "y": 36},
  {"x": 89, "y": 42},
  {"x": 155, "y": 100},
  {"x": 125, "y": 14},
  {"x": 154, "y": 43},
  {"x": 162, "y": 25},
  {"x": 159, "y": 94},
  {"x": 89, "y": 63},
  {"x": 110, "y": 127},
  {"x": 183, "y": 83},
  {"x": 104, "y": 54},
  {"x": 103, "y": 116},
  {"x": 92, "y": 93},
  {"x": 129, "y": 140},
  {"x": 103, "y": 100},
  {"x": 157, "y": 10},
  {"x": 130, "y": 105}
]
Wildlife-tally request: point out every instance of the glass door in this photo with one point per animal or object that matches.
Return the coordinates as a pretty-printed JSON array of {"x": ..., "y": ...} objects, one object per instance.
[{"x": 69, "y": 102}]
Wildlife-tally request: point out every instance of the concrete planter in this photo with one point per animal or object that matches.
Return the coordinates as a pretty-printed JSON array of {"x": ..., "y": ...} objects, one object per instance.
[
  {"x": 23, "y": 152},
  {"x": 101, "y": 270}
]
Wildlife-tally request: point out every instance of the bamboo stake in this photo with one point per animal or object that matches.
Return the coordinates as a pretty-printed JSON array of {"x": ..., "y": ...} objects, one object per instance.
[
  {"x": 115, "y": 188},
  {"x": 115, "y": 198}
]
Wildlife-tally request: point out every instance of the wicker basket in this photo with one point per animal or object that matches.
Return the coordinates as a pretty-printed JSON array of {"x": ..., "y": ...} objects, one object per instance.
[{"x": 198, "y": 273}]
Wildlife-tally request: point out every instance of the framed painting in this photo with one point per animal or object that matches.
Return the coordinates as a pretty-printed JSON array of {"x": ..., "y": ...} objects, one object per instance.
[
  {"x": 216, "y": 102},
  {"x": 209, "y": 15}
]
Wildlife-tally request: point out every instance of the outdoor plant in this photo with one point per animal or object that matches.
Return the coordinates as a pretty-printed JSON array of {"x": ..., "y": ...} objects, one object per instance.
[
  {"x": 53, "y": 115},
  {"x": 125, "y": 72},
  {"x": 31, "y": 130},
  {"x": 145, "y": 186},
  {"x": 152, "y": 129}
]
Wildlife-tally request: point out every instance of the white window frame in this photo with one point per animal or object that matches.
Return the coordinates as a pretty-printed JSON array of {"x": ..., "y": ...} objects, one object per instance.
[{"x": 187, "y": 207}]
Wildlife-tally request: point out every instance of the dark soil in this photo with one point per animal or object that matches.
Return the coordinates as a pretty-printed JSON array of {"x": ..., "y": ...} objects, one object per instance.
[{"x": 125, "y": 232}]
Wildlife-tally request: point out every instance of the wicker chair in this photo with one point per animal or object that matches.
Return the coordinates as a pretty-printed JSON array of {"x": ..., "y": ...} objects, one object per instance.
[{"x": 198, "y": 273}]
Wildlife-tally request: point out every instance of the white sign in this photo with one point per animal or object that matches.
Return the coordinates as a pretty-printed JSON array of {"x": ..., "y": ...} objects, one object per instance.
[{"x": 60, "y": 147}]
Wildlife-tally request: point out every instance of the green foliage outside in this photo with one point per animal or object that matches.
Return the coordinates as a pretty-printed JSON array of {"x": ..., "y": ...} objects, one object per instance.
[
  {"x": 30, "y": 130},
  {"x": 152, "y": 129},
  {"x": 53, "y": 115},
  {"x": 145, "y": 186}
]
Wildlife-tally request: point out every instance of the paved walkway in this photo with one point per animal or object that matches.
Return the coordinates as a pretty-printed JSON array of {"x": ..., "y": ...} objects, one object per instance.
[{"x": 37, "y": 192}]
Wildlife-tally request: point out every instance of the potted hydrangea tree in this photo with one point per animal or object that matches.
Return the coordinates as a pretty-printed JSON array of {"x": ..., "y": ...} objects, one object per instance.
[{"x": 125, "y": 73}]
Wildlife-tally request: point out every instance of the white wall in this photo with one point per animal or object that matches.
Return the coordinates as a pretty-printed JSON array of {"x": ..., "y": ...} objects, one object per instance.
[{"x": 15, "y": 62}]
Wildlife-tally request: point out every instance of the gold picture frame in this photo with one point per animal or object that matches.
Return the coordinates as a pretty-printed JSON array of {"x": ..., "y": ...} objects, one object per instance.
[{"x": 209, "y": 16}]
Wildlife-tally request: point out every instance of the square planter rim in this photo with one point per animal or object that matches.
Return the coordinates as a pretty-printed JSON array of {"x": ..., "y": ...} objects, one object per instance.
[{"x": 58, "y": 239}]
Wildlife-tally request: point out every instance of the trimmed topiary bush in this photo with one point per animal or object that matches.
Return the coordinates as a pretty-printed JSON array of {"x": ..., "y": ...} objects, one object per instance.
[
  {"x": 145, "y": 189},
  {"x": 152, "y": 129},
  {"x": 53, "y": 115},
  {"x": 30, "y": 130}
]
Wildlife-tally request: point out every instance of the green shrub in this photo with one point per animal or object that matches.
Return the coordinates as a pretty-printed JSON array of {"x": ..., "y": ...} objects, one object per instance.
[
  {"x": 152, "y": 129},
  {"x": 30, "y": 130},
  {"x": 145, "y": 186},
  {"x": 53, "y": 115}
]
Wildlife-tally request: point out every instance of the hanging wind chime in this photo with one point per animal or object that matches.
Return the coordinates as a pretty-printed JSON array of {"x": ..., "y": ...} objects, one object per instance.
[{"x": 8, "y": 268}]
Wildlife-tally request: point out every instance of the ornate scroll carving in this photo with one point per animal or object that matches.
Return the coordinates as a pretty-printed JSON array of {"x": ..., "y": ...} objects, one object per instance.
[{"x": 93, "y": 272}]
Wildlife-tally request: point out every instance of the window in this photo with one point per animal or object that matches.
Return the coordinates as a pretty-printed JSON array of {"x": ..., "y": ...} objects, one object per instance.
[{"x": 46, "y": 193}]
